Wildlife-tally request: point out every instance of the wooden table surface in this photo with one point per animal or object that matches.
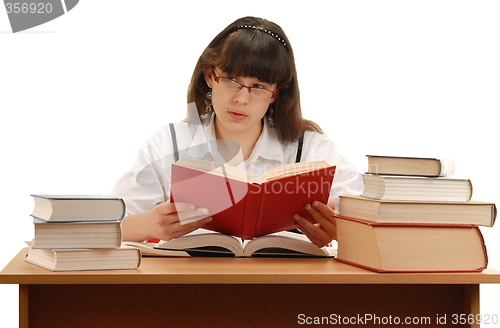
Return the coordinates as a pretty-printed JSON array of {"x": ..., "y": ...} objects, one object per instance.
[{"x": 234, "y": 271}]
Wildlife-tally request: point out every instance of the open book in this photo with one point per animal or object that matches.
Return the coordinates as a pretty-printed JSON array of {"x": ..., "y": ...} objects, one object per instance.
[
  {"x": 203, "y": 242},
  {"x": 248, "y": 208}
]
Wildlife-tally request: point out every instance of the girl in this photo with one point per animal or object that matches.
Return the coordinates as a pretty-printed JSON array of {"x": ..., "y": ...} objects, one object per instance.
[{"x": 244, "y": 92}]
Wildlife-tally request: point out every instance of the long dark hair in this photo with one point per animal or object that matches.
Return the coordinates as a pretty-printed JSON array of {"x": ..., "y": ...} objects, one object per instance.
[{"x": 255, "y": 52}]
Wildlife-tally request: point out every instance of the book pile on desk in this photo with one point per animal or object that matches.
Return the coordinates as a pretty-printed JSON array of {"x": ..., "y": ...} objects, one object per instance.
[
  {"x": 79, "y": 232},
  {"x": 413, "y": 216}
]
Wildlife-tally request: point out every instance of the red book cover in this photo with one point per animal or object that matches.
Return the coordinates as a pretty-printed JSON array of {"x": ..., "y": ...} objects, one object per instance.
[{"x": 251, "y": 209}]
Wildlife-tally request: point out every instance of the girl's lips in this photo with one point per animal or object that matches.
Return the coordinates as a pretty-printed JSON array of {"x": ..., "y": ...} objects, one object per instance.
[{"x": 237, "y": 115}]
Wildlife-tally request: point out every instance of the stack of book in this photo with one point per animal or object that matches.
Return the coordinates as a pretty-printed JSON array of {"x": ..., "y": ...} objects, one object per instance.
[
  {"x": 413, "y": 216},
  {"x": 79, "y": 232}
]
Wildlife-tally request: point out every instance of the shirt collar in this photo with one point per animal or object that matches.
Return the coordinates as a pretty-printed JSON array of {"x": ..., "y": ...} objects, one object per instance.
[{"x": 268, "y": 146}]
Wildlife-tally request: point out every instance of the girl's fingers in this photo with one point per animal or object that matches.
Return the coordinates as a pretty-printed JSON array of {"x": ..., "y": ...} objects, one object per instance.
[
  {"x": 175, "y": 220},
  {"x": 178, "y": 230},
  {"x": 318, "y": 236},
  {"x": 324, "y": 215},
  {"x": 325, "y": 230},
  {"x": 186, "y": 211}
]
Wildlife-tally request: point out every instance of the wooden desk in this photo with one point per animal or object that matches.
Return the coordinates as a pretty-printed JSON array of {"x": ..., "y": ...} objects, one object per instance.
[{"x": 232, "y": 292}]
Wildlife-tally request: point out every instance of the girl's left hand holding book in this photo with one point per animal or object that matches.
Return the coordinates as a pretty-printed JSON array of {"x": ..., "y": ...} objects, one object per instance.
[
  {"x": 162, "y": 222},
  {"x": 325, "y": 230}
]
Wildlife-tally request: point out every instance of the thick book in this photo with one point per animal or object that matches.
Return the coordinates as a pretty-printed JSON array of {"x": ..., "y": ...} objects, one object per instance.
[
  {"x": 85, "y": 259},
  {"x": 431, "y": 212},
  {"x": 68, "y": 208},
  {"x": 419, "y": 166},
  {"x": 410, "y": 247},
  {"x": 202, "y": 242},
  {"x": 106, "y": 234},
  {"x": 248, "y": 208},
  {"x": 392, "y": 187}
]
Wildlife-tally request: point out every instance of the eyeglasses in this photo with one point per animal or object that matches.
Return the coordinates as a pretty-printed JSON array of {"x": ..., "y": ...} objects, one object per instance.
[{"x": 257, "y": 90}]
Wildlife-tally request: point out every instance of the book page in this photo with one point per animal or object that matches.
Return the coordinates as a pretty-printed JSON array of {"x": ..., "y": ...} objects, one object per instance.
[
  {"x": 224, "y": 170},
  {"x": 202, "y": 238},
  {"x": 285, "y": 243},
  {"x": 290, "y": 170}
]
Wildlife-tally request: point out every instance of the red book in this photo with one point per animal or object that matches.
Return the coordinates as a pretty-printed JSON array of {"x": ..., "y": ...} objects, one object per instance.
[
  {"x": 407, "y": 247},
  {"x": 248, "y": 208}
]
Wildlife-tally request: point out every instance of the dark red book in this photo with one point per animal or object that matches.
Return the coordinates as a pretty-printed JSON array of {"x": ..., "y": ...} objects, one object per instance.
[
  {"x": 410, "y": 247},
  {"x": 248, "y": 208}
]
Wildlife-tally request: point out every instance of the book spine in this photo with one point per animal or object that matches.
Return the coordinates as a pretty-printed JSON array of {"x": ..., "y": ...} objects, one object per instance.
[
  {"x": 471, "y": 190},
  {"x": 124, "y": 212},
  {"x": 251, "y": 215},
  {"x": 483, "y": 244},
  {"x": 139, "y": 258},
  {"x": 493, "y": 215}
]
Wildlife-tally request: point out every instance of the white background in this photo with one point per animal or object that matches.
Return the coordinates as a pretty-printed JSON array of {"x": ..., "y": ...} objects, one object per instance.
[{"x": 79, "y": 95}]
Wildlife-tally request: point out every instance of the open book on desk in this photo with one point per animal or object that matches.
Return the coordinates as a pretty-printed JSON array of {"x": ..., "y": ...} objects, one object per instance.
[
  {"x": 248, "y": 208},
  {"x": 203, "y": 242}
]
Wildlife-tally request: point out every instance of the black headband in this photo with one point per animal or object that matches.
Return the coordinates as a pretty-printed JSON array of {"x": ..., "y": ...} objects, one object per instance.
[{"x": 274, "y": 35}]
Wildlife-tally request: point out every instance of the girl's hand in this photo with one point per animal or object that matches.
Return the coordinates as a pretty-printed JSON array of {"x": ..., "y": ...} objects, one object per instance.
[
  {"x": 325, "y": 230},
  {"x": 163, "y": 222}
]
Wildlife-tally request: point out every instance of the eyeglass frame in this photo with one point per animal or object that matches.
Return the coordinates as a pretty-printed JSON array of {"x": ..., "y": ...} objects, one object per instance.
[{"x": 217, "y": 77}]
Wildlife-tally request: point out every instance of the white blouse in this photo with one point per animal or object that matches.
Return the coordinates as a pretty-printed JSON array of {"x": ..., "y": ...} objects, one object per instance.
[{"x": 147, "y": 182}]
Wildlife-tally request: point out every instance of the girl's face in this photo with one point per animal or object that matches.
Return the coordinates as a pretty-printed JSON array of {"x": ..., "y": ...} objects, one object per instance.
[{"x": 239, "y": 103}]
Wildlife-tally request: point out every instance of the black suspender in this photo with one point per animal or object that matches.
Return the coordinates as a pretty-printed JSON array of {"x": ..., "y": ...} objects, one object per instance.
[
  {"x": 174, "y": 141},
  {"x": 299, "y": 149}
]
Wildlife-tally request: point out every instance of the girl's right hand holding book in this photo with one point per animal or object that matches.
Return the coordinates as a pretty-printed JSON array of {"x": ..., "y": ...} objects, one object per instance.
[{"x": 163, "y": 222}]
